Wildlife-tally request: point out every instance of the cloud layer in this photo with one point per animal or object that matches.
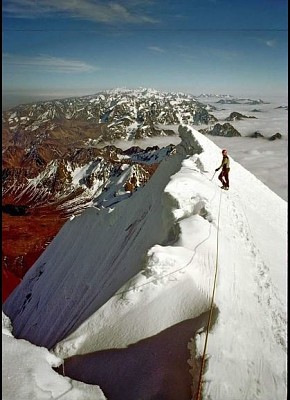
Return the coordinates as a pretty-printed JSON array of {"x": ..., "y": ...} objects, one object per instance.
[{"x": 48, "y": 63}]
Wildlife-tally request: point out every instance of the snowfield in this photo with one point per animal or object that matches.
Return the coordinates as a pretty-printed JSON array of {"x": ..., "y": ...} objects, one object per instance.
[{"x": 117, "y": 275}]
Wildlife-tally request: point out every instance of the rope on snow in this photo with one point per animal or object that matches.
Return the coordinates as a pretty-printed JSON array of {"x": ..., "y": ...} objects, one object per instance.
[{"x": 198, "y": 397}]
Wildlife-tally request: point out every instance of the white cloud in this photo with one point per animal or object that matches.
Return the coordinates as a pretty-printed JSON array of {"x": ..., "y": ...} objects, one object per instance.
[
  {"x": 48, "y": 63},
  {"x": 156, "y": 48},
  {"x": 267, "y": 42},
  {"x": 99, "y": 11},
  {"x": 271, "y": 43}
]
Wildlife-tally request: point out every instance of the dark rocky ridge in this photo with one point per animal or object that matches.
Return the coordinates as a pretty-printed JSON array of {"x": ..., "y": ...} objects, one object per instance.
[
  {"x": 221, "y": 130},
  {"x": 235, "y": 116}
]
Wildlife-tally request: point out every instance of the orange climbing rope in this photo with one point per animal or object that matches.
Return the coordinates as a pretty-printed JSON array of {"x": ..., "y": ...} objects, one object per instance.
[{"x": 198, "y": 397}]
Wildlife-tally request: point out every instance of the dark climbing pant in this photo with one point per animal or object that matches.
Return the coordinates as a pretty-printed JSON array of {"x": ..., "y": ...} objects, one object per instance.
[{"x": 224, "y": 177}]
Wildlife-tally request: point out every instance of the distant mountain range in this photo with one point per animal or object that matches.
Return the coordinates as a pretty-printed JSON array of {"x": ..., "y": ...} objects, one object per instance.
[
  {"x": 106, "y": 116},
  {"x": 241, "y": 101},
  {"x": 218, "y": 96}
]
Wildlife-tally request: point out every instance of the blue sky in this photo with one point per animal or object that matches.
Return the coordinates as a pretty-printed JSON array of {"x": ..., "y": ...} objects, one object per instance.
[{"x": 57, "y": 48}]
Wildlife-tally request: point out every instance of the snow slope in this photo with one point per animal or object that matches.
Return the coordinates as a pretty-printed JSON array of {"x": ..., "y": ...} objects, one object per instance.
[{"x": 159, "y": 250}]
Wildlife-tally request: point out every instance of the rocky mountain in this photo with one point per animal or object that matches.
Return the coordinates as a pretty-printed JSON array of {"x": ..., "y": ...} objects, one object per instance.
[
  {"x": 41, "y": 140},
  {"x": 221, "y": 130},
  {"x": 40, "y": 194},
  {"x": 271, "y": 138},
  {"x": 58, "y": 158},
  {"x": 241, "y": 101},
  {"x": 256, "y": 135},
  {"x": 275, "y": 136},
  {"x": 236, "y": 116},
  {"x": 101, "y": 118},
  {"x": 211, "y": 95}
]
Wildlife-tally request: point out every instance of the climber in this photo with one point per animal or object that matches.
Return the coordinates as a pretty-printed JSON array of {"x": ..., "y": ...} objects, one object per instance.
[{"x": 225, "y": 166}]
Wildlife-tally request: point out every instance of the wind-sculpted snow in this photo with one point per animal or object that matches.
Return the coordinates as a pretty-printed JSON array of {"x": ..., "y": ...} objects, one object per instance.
[{"x": 103, "y": 249}]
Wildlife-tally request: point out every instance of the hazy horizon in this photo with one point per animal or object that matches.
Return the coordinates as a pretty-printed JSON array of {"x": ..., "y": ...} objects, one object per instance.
[{"x": 56, "y": 49}]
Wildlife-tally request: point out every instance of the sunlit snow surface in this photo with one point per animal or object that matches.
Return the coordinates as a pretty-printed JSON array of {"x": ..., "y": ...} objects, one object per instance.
[{"x": 242, "y": 232}]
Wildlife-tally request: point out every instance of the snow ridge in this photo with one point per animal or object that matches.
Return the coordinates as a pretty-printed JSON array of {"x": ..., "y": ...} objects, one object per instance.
[
  {"x": 109, "y": 279},
  {"x": 116, "y": 259}
]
